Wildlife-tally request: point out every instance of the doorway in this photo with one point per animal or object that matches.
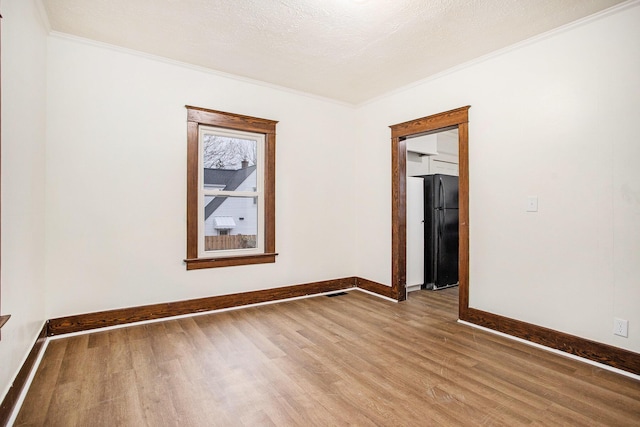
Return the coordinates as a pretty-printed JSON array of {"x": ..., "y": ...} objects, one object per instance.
[
  {"x": 449, "y": 120},
  {"x": 432, "y": 210}
]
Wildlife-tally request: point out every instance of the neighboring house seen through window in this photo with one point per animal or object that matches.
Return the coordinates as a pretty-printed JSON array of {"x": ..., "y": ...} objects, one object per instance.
[
  {"x": 231, "y": 181},
  {"x": 230, "y": 189}
]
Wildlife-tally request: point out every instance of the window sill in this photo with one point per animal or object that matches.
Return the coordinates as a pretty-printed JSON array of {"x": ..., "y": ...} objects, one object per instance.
[
  {"x": 3, "y": 319},
  {"x": 198, "y": 263}
]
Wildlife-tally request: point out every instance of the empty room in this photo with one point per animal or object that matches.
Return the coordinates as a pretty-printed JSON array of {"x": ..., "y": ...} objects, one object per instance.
[{"x": 306, "y": 212}]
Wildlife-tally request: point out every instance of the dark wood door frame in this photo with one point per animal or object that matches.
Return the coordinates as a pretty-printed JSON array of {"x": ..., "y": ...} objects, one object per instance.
[{"x": 458, "y": 118}]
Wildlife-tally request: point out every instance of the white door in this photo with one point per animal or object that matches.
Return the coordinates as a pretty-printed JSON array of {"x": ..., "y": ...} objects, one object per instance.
[{"x": 415, "y": 233}]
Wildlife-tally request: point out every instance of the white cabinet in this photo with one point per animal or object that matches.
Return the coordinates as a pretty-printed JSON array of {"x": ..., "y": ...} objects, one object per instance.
[
  {"x": 442, "y": 167},
  {"x": 415, "y": 233},
  {"x": 432, "y": 154},
  {"x": 430, "y": 165}
]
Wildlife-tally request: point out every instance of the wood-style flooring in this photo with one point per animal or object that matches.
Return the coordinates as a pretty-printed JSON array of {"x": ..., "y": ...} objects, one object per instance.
[{"x": 346, "y": 360}]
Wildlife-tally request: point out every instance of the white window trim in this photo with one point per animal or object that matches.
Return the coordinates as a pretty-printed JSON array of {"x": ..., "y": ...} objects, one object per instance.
[{"x": 258, "y": 194}]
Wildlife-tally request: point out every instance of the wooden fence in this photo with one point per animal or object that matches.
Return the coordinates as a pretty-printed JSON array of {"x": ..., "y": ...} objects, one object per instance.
[{"x": 238, "y": 241}]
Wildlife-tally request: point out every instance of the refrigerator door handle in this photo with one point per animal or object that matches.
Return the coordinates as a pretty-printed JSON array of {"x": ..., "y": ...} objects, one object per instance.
[
  {"x": 438, "y": 246},
  {"x": 440, "y": 227},
  {"x": 441, "y": 208}
]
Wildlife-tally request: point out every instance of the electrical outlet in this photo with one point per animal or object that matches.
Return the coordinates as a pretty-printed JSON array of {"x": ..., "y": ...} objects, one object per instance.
[{"x": 621, "y": 327}]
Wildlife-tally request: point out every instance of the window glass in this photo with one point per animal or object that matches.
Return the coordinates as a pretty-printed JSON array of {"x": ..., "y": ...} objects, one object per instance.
[
  {"x": 222, "y": 153},
  {"x": 231, "y": 192},
  {"x": 230, "y": 223}
]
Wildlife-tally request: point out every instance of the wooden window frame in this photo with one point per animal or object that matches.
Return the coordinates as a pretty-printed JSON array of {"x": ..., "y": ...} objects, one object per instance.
[{"x": 197, "y": 117}]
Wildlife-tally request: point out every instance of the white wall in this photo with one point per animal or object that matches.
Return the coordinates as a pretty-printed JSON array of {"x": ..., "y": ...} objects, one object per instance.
[
  {"x": 23, "y": 171},
  {"x": 116, "y": 181},
  {"x": 553, "y": 118}
]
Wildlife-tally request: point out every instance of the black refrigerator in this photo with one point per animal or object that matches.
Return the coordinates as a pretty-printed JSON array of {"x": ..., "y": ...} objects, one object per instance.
[{"x": 440, "y": 231}]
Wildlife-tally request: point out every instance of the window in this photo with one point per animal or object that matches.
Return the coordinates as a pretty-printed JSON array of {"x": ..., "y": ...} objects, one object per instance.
[{"x": 230, "y": 189}]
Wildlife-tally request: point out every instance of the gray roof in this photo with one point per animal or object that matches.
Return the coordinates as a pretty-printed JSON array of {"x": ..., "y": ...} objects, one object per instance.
[{"x": 231, "y": 179}]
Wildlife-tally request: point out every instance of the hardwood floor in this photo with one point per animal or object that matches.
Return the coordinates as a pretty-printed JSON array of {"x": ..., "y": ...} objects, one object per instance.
[{"x": 343, "y": 360}]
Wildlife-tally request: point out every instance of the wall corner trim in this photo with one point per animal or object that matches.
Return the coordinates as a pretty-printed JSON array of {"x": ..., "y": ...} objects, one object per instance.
[
  {"x": 4, "y": 319},
  {"x": 10, "y": 400},
  {"x": 376, "y": 288}
]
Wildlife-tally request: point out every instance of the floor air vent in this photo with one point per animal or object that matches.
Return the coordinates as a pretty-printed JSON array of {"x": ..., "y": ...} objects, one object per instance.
[{"x": 337, "y": 294}]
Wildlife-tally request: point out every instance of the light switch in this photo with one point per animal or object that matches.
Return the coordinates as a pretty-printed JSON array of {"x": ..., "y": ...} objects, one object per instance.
[{"x": 532, "y": 204}]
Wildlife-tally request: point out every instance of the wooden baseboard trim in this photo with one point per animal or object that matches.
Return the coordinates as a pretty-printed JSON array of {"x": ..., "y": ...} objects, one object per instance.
[
  {"x": 102, "y": 319},
  {"x": 375, "y": 287},
  {"x": 11, "y": 398},
  {"x": 602, "y": 353},
  {"x": 4, "y": 319},
  {"x": 597, "y": 352}
]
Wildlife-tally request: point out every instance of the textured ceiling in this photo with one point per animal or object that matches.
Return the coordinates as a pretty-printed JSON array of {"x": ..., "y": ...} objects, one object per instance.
[{"x": 348, "y": 50}]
